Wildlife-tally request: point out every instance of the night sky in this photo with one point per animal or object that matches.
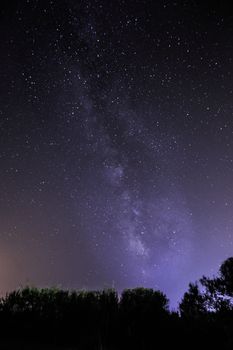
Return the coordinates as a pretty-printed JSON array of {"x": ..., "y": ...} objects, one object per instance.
[{"x": 116, "y": 143}]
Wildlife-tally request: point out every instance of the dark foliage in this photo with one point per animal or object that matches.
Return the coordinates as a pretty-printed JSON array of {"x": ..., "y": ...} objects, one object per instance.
[{"x": 139, "y": 319}]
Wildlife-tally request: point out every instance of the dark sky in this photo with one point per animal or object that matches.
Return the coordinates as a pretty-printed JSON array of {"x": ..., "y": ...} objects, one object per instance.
[{"x": 116, "y": 143}]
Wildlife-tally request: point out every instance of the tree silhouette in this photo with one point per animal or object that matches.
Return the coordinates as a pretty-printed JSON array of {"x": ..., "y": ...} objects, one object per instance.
[
  {"x": 143, "y": 311},
  {"x": 193, "y": 304},
  {"x": 218, "y": 291},
  {"x": 139, "y": 319}
]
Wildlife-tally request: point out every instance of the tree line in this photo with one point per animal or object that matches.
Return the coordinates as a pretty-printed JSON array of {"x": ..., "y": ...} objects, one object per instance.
[{"x": 137, "y": 319}]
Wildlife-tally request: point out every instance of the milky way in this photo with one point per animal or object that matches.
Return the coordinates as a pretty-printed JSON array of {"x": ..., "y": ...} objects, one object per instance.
[{"x": 116, "y": 144}]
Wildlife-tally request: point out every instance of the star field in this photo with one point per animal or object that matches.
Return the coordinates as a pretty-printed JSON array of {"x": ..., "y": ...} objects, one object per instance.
[{"x": 116, "y": 144}]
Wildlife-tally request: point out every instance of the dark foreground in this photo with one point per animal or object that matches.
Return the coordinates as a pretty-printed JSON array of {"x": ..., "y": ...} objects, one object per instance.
[{"x": 138, "y": 319}]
